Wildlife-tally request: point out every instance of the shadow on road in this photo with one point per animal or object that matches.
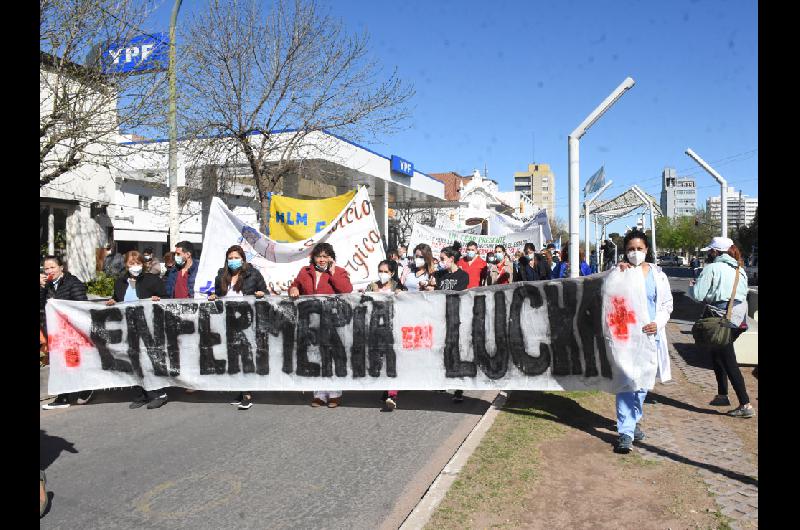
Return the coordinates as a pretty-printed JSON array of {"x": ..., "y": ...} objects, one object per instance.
[
  {"x": 567, "y": 411},
  {"x": 50, "y": 447},
  {"x": 407, "y": 399}
]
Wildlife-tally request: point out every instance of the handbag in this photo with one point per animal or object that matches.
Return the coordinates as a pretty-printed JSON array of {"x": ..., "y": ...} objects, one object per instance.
[{"x": 714, "y": 330}]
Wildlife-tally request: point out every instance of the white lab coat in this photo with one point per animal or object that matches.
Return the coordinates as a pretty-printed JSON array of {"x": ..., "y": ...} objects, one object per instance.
[{"x": 663, "y": 312}]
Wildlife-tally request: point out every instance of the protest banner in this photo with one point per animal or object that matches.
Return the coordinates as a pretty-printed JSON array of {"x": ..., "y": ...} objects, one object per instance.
[
  {"x": 438, "y": 239},
  {"x": 570, "y": 334},
  {"x": 353, "y": 234},
  {"x": 294, "y": 220}
]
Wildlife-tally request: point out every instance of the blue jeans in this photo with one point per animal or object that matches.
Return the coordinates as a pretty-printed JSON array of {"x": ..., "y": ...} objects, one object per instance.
[{"x": 629, "y": 411}]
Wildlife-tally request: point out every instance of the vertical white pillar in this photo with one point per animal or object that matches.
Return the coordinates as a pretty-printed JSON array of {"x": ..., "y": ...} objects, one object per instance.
[
  {"x": 574, "y": 205},
  {"x": 51, "y": 231}
]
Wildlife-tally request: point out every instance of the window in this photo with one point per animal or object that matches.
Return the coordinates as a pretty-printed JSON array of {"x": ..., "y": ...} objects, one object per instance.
[
  {"x": 144, "y": 201},
  {"x": 545, "y": 188}
]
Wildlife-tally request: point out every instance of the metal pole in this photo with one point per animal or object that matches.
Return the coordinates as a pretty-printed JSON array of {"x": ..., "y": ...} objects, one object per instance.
[
  {"x": 649, "y": 204},
  {"x": 174, "y": 226},
  {"x": 723, "y": 189},
  {"x": 586, "y": 229},
  {"x": 574, "y": 171}
]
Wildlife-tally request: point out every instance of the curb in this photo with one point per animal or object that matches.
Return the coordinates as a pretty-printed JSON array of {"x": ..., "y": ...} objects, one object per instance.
[{"x": 424, "y": 509}]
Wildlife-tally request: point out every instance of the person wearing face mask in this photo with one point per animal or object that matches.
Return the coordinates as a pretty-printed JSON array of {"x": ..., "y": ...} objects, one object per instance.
[
  {"x": 713, "y": 287},
  {"x": 138, "y": 284},
  {"x": 501, "y": 271},
  {"x": 450, "y": 277},
  {"x": 416, "y": 276},
  {"x": 387, "y": 283},
  {"x": 659, "y": 307},
  {"x": 322, "y": 276},
  {"x": 475, "y": 267},
  {"x": 238, "y": 278},
  {"x": 151, "y": 262},
  {"x": 180, "y": 280},
  {"x": 532, "y": 267},
  {"x": 57, "y": 283}
]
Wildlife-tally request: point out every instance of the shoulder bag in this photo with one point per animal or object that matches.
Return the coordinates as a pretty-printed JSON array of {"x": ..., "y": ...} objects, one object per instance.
[{"x": 714, "y": 330}]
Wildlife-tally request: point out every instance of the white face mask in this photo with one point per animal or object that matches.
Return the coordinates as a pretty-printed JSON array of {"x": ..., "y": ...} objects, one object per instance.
[
  {"x": 135, "y": 270},
  {"x": 419, "y": 262},
  {"x": 636, "y": 257},
  {"x": 384, "y": 277}
]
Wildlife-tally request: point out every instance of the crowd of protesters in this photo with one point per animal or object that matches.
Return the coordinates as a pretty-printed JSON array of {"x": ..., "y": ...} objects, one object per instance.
[{"x": 141, "y": 276}]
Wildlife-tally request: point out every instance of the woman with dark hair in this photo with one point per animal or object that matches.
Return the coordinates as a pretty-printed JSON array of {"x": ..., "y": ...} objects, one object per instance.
[
  {"x": 322, "y": 276},
  {"x": 416, "y": 276},
  {"x": 639, "y": 255},
  {"x": 57, "y": 283},
  {"x": 136, "y": 283},
  {"x": 238, "y": 278},
  {"x": 387, "y": 283},
  {"x": 501, "y": 270},
  {"x": 450, "y": 278},
  {"x": 530, "y": 266},
  {"x": 714, "y": 287}
]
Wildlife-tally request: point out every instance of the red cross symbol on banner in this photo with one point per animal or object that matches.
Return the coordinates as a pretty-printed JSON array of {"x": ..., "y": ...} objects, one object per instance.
[
  {"x": 619, "y": 318},
  {"x": 68, "y": 339}
]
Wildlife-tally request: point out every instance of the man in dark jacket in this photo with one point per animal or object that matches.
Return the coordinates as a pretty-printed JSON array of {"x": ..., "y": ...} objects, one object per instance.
[
  {"x": 114, "y": 262},
  {"x": 180, "y": 280}
]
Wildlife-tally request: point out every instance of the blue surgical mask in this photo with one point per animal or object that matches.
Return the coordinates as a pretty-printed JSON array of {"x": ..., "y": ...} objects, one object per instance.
[
  {"x": 442, "y": 266},
  {"x": 470, "y": 254},
  {"x": 234, "y": 264},
  {"x": 498, "y": 256},
  {"x": 179, "y": 260}
]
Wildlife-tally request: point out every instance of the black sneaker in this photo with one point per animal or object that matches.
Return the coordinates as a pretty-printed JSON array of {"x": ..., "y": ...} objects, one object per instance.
[
  {"x": 238, "y": 399},
  {"x": 85, "y": 397},
  {"x": 246, "y": 403},
  {"x": 624, "y": 443},
  {"x": 158, "y": 401},
  {"x": 720, "y": 401},
  {"x": 61, "y": 402},
  {"x": 138, "y": 402},
  {"x": 458, "y": 396},
  {"x": 638, "y": 434}
]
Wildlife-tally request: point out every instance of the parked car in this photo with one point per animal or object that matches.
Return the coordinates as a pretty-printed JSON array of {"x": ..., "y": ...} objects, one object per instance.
[{"x": 672, "y": 261}]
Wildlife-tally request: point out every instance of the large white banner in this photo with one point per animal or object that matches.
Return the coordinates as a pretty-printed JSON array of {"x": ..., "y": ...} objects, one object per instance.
[
  {"x": 354, "y": 236},
  {"x": 570, "y": 334},
  {"x": 438, "y": 239}
]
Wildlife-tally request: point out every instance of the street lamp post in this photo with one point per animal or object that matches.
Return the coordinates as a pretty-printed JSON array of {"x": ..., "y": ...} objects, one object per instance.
[
  {"x": 723, "y": 188},
  {"x": 574, "y": 170},
  {"x": 647, "y": 202},
  {"x": 586, "y": 205},
  {"x": 174, "y": 226}
]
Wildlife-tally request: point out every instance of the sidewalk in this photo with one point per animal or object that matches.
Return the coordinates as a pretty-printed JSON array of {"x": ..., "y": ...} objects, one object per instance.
[{"x": 547, "y": 462}]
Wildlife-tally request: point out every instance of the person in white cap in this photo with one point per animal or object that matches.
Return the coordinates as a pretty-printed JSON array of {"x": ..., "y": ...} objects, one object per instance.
[{"x": 714, "y": 287}]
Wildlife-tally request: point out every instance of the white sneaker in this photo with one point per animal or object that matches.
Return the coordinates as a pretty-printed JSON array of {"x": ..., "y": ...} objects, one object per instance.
[
  {"x": 59, "y": 403},
  {"x": 390, "y": 404}
]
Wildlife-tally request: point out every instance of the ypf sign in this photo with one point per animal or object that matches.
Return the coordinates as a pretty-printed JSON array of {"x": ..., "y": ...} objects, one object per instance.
[{"x": 140, "y": 54}]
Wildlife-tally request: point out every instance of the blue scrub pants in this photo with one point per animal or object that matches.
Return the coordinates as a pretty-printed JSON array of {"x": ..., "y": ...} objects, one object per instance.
[{"x": 629, "y": 411}]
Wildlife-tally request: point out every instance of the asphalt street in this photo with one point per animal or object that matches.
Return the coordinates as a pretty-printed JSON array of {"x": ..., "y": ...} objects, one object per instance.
[{"x": 198, "y": 462}]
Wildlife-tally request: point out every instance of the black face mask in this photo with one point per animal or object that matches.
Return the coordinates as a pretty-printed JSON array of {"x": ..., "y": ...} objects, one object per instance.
[{"x": 710, "y": 257}]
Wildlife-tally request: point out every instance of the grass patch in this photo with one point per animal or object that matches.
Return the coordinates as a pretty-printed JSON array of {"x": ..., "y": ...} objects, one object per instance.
[{"x": 504, "y": 467}]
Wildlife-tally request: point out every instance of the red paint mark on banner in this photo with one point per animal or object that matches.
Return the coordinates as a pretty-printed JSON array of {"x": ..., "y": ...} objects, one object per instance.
[
  {"x": 68, "y": 339},
  {"x": 417, "y": 337},
  {"x": 620, "y": 317}
]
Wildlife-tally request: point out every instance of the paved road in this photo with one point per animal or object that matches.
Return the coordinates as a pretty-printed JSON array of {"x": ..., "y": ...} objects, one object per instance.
[{"x": 200, "y": 463}]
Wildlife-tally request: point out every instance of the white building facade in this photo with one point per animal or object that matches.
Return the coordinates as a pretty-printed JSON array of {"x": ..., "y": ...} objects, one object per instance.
[
  {"x": 678, "y": 194},
  {"x": 741, "y": 208}
]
